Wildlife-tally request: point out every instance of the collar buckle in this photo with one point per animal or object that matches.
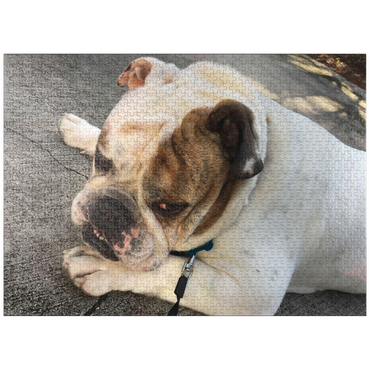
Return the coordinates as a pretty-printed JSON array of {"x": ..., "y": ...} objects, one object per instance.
[{"x": 187, "y": 269}]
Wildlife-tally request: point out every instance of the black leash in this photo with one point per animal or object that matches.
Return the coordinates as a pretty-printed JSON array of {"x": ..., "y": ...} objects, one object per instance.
[{"x": 186, "y": 273}]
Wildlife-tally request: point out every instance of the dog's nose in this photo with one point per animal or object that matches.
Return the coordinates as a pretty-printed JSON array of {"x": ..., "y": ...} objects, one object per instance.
[
  {"x": 110, "y": 216},
  {"x": 114, "y": 226}
]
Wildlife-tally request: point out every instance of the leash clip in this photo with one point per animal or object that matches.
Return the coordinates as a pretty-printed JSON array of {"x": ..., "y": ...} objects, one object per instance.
[
  {"x": 186, "y": 272},
  {"x": 187, "y": 269}
]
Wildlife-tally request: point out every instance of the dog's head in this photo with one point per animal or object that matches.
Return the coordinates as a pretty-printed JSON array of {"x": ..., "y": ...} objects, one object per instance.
[{"x": 154, "y": 186}]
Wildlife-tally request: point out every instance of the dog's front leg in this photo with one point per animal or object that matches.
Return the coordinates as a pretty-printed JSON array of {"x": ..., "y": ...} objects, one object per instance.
[
  {"x": 211, "y": 290},
  {"x": 97, "y": 276},
  {"x": 91, "y": 272},
  {"x": 226, "y": 288},
  {"x": 78, "y": 133}
]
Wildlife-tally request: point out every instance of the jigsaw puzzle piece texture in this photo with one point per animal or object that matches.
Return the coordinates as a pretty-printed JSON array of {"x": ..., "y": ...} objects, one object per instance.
[{"x": 320, "y": 176}]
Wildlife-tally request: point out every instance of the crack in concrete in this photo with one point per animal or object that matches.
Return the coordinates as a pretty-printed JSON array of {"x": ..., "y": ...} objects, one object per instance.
[
  {"x": 96, "y": 305},
  {"x": 46, "y": 150}
]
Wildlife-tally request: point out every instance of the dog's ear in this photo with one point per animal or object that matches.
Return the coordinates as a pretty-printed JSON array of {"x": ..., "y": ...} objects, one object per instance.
[
  {"x": 234, "y": 122},
  {"x": 135, "y": 74}
]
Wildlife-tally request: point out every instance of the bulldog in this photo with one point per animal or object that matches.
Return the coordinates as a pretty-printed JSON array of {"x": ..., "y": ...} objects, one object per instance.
[{"x": 197, "y": 155}]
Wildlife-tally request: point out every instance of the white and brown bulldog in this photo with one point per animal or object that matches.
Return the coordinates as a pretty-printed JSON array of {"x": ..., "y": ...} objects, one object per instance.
[{"x": 188, "y": 156}]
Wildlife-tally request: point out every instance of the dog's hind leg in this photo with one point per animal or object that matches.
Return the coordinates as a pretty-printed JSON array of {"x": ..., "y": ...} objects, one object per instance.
[{"x": 78, "y": 133}]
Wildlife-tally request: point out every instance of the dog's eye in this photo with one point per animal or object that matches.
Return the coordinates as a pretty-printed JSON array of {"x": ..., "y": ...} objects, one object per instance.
[
  {"x": 102, "y": 164},
  {"x": 168, "y": 209}
]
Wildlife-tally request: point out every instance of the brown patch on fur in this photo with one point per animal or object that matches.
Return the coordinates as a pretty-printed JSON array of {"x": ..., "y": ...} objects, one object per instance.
[
  {"x": 135, "y": 74},
  {"x": 189, "y": 168},
  {"x": 217, "y": 209},
  {"x": 198, "y": 167}
]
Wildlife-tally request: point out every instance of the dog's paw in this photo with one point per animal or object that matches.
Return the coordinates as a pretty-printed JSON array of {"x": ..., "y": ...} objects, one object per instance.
[
  {"x": 78, "y": 133},
  {"x": 88, "y": 270}
]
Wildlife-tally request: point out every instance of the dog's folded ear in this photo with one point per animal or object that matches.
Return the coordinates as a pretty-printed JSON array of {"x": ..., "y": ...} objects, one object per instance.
[
  {"x": 135, "y": 74},
  {"x": 234, "y": 122}
]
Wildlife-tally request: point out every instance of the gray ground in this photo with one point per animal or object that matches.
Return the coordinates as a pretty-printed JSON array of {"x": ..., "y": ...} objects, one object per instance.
[{"x": 42, "y": 175}]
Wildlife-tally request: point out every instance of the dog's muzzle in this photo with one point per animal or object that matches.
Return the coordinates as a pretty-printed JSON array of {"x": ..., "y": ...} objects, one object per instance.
[{"x": 115, "y": 228}]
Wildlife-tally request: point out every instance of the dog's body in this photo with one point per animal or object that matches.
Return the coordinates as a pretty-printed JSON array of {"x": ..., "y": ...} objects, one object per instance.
[{"x": 179, "y": 161}]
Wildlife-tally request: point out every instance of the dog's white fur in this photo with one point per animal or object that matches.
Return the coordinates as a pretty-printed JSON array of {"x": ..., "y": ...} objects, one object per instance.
[{"x": 299, "y": 226}]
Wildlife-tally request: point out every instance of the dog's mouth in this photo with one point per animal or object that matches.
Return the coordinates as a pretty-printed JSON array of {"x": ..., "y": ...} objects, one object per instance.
[
  {"x": 97, "y": 240},
  {"x": 132, "y": 248}
]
